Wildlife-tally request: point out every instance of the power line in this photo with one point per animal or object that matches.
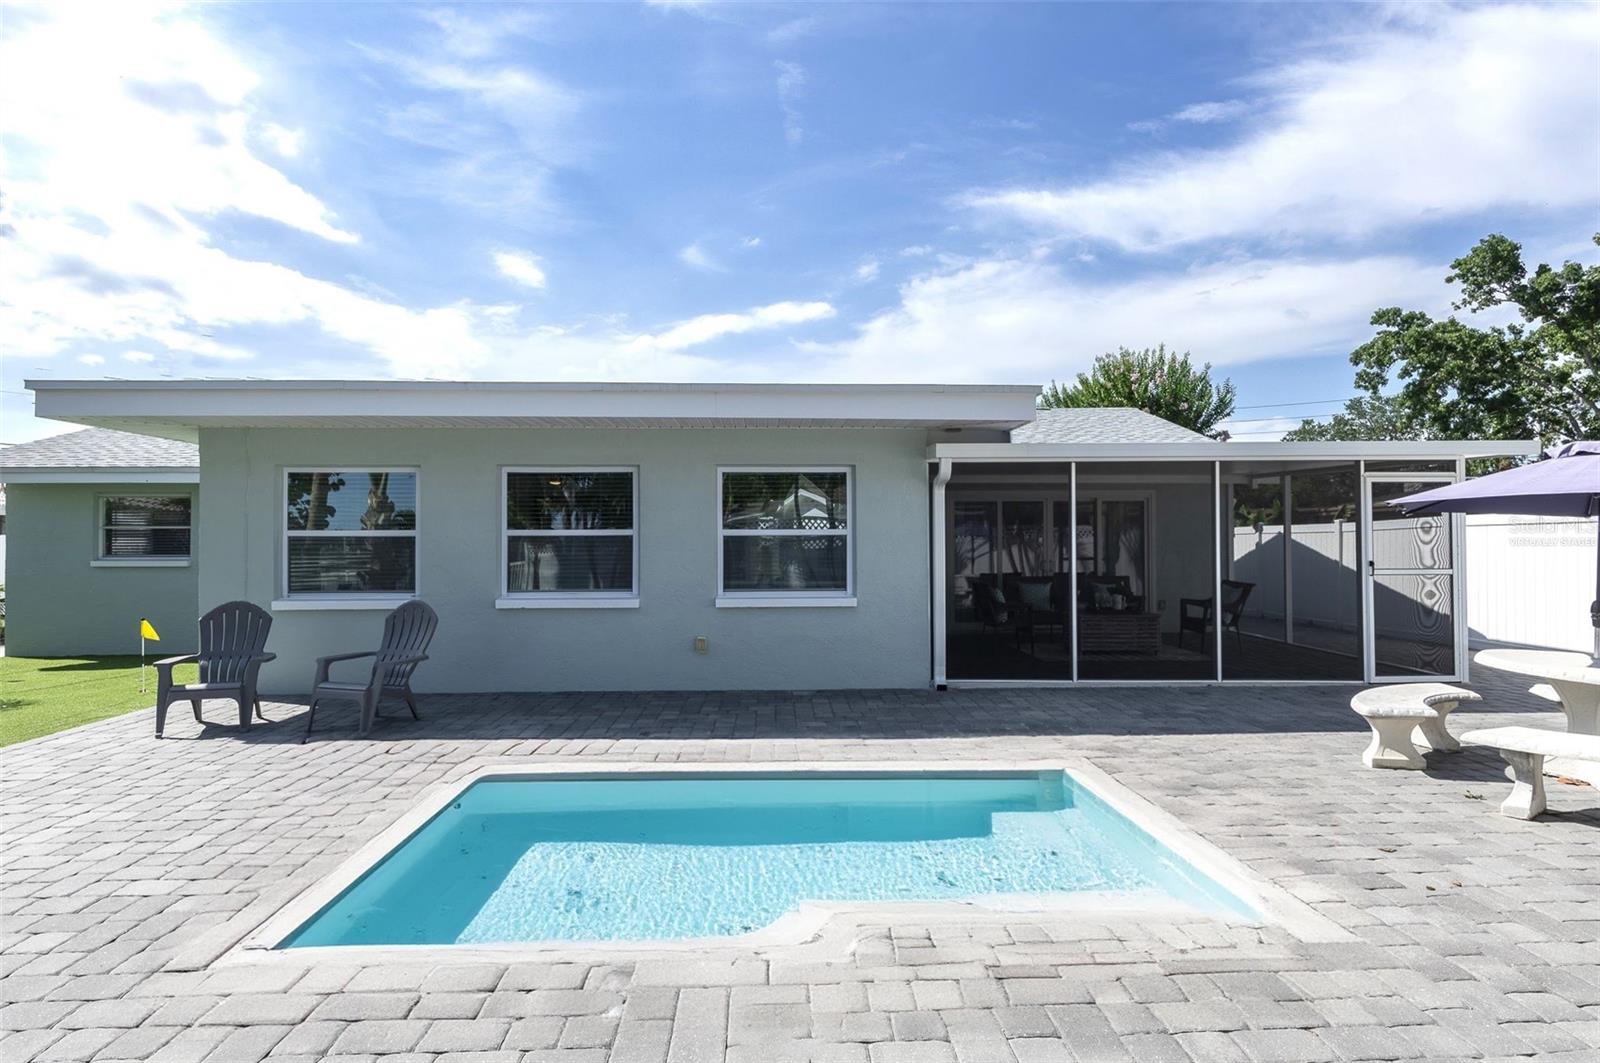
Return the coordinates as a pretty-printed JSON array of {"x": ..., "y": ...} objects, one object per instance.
[
  {"x": 1308, "y": 402},
  {"x": 1261, "y": 420}
]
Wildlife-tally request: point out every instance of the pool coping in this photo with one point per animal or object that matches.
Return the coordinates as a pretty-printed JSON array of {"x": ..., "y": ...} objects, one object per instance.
[{"x": 815, "y": 931}]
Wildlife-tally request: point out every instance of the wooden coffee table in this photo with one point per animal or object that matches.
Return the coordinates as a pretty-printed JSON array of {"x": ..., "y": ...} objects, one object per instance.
[{"x": 1112, "y": 632}]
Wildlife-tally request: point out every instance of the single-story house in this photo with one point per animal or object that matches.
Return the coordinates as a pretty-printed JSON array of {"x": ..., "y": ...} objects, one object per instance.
[
  {"x": 100, "y": 532},
  {"x": 796, "y": 536}
]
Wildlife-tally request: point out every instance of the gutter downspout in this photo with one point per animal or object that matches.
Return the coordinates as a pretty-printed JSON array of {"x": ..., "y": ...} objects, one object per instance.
[{"x": 938, "y": 559}]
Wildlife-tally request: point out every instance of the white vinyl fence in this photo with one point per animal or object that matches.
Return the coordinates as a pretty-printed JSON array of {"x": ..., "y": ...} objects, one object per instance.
[{"x": 1529, "y": 579}]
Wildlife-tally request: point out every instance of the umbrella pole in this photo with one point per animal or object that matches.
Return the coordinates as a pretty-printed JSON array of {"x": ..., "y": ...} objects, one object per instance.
[{"x": 1594, "y": 607}]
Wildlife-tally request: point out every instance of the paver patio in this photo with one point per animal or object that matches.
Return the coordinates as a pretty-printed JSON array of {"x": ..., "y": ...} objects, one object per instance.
[{"x": 1477, "y": 936}]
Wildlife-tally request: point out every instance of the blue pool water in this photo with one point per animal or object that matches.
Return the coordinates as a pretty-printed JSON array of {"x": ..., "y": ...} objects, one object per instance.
[{"x": 650, "y": 858}]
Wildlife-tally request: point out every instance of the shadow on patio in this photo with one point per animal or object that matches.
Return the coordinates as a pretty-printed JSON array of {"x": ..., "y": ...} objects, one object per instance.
[{"x": 907, "y": 715}]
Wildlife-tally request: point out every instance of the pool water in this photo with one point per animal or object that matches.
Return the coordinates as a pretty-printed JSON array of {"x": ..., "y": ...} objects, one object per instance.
[{"x": 524, "y": 859}]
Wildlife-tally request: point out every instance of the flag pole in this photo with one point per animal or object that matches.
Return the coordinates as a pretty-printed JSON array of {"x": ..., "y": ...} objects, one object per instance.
[{"x": 141, "y": 655}]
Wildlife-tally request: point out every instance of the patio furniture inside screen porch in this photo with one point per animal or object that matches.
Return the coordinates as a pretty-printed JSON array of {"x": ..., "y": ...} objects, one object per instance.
[
  {"x": 1028, "y": 605},
  {"x": 232, "y": 642},
  {"x": 1195, "y": 614},
  {"x": 1112, "y": 619},
  {"x": 406, "y": 635}
]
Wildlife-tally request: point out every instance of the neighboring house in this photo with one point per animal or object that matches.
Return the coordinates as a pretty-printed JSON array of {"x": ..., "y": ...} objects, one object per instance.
[
  {"x": 687, "y": 536},
  {"x": 99, "y": 532}
]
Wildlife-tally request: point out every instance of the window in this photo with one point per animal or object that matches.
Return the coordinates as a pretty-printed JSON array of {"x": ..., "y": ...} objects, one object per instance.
[
  {"x": 785, "y": 533},
  {"x": 145, "y": 528},
  {"x": 571, "y": 536},
  {"x": 350, "y": 532}
]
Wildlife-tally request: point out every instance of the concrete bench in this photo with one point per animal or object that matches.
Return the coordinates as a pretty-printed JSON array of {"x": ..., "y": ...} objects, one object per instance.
[
  {"x": 1524, "y": 750},
  {"x": 1396, "y": 711}
]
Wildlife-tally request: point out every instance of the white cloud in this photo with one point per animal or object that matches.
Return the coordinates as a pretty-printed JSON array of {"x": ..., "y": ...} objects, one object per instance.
[
  {"x": 286, "y": 142},
  {"x": 494, "y": 131},
  {"x": 708, "y": 327},
  {"x": 795, "y": 29},
  {"x": 750, "y": 243},
  {"x": 481, "y": 33},
  {"x": 91, "y": 359},
  {"x": 697, "y": 257},
  {"x": 696, "y": 6},
  {"x": 1025, "y": 320},
  {"x": 1211, "y": 111},
  {"x": 868, "y": 269},
  {"x": 121, "y": 107},
  {"x": 537, "y": 108},
  {"x": 791, "y": 86},
  {"x": 127, "y": 129},
  {"x": 1474, "y": 109},
  {"x": 520, "y": 267}
]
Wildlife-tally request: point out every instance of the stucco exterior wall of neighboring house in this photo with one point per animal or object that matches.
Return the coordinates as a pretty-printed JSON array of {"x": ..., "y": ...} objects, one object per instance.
[
  {"x": 61, "y": 603},
  {"x": 882, "y": 641}
]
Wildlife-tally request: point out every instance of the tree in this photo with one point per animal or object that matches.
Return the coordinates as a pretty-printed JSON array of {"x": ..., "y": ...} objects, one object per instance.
[
  {"x": 1362, "y": 418},
  {"x": 1538, "y": 377},
  {"x": 1154, "y": 380}
]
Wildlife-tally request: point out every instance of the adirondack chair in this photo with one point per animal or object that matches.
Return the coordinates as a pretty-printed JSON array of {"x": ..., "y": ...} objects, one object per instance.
[
  {"x": 406, "y": 634},
  {"x": 233, "y": 637}
]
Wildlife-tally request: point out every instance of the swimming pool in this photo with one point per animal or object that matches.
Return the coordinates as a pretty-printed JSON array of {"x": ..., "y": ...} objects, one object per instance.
[{"x": 707, "y": 855}]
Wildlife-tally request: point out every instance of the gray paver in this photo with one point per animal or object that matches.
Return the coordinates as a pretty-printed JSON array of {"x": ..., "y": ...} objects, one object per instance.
[
  {"x": 464, "y": 1035},
  {"x": 700, "y": 1027},
  {"x": 918, "y": 1026},
  {"x": 1477, "y": 934},
  {"x": 380, "y": 1036}
]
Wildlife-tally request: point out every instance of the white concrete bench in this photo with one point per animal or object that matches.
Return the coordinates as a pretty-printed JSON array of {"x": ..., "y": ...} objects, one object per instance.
[
  {"x": 1524, "y": 749},
  {"x": 1396, "y": 711}
]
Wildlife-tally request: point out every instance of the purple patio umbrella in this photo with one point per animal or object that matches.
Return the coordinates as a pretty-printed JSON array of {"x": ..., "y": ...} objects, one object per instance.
[{"x": 1565, "y": 483}]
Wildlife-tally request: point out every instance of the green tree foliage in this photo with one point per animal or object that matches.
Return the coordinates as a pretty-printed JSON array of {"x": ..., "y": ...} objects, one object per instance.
[
  {"x": 1536, "y": 377},
  {"x": 1378, "y": 417},
  {"x": 1154, "y": 380}
]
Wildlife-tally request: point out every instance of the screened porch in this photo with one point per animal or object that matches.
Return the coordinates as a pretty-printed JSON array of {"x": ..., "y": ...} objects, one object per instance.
[{"x": 1195, "y": 570}]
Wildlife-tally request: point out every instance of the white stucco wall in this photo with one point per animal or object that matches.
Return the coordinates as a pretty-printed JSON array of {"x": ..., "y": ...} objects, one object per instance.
[
  {"x": 60, "y": 605},
  {"x": 882, "y": 642}
]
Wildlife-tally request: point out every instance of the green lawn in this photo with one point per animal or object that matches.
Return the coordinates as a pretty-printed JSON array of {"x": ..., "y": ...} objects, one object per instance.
[{"x": 42, "y": 695}]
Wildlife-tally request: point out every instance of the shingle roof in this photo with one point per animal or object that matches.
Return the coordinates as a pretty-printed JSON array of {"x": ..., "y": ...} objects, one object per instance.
[
  {"x": 101, "y": 448},
  {"x": 1104, "y": 424}
]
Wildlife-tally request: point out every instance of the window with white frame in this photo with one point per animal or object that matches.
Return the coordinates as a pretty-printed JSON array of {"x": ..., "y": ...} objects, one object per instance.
[
  {"x": 570, "y": 532},
  {"x": 350, "y": 531},
  {"x": 145, "y": 527},
  {"x": 784, "y": 531}
]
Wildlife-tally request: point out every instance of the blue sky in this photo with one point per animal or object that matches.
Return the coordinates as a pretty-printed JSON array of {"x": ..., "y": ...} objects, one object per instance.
[{"x": 990, "y": 192}]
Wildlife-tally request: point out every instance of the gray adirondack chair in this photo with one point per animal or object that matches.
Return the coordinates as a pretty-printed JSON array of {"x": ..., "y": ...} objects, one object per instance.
[
  {"x": 406, "y": 634},
  {"x": 233, "y": 639}
]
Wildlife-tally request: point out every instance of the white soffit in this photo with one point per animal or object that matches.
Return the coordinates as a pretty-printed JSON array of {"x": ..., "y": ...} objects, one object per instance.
[{"x": 177, "y": 409}]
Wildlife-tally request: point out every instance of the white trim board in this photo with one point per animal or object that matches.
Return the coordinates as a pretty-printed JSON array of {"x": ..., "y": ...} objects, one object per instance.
[
  {"x": 1210, "y": 450},
  {"x": 99, "y": 476},
  {"x": 177, "y": 408}
]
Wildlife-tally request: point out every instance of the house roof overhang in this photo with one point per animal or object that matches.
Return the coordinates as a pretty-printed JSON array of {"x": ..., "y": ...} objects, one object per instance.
[
  {"x": 178, "y": 409},
  {"x": 1211, "y": 450},
  {"x": 119, "y": 474},
  {"x": 109, "y": 475}
]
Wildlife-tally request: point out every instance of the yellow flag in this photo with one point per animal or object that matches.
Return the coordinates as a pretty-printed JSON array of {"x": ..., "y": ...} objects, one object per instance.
[{"x": 147, "y": 630}]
